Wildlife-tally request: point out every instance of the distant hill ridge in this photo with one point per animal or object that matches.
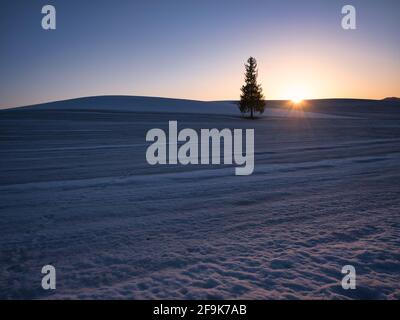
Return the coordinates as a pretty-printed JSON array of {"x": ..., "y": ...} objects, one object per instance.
[
  {"x": 165, "y": 105},
  {"x": 129, "y": 103},
  {"x": 321, "y": 108},
  {"x": 395, "y": 99}
]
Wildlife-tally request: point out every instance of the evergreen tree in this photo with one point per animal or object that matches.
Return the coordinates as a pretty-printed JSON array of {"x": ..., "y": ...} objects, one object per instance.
[{"x": 251, "y": 99}]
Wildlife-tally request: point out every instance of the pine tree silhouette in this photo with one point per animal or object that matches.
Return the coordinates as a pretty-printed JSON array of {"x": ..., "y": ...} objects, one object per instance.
[{"x": 251, "y": 99}]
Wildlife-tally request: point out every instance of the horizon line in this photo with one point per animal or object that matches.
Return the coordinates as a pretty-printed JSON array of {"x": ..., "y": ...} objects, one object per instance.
[{"x": 184, "y": 99}]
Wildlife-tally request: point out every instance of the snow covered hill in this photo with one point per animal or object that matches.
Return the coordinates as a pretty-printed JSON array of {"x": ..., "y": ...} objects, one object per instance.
[{"x": 157, "y": 105}]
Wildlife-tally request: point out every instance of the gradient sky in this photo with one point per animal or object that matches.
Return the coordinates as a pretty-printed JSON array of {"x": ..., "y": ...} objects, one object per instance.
[{"x": 196, "y": 49}]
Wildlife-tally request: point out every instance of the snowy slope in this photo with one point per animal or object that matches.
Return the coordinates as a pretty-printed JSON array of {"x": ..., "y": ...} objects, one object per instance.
[{"x": 152, "y": 104}]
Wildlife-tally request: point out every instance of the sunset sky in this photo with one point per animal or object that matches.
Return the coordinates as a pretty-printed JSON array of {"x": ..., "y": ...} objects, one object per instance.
[{"x": 197, "y": 49}]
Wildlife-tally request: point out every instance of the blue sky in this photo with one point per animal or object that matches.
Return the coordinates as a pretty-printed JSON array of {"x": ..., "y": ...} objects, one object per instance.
[{"x": 196, "y": 49}]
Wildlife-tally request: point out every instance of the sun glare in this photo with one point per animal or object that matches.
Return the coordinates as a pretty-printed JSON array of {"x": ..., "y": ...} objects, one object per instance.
[
  {"x": 297, "y": 95},
  {"x": 297, "y": 100}
]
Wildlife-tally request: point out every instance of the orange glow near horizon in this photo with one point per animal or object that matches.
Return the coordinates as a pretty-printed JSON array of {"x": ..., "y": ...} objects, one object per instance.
[
  {"x": 295, "y": 72},
  {"x": 321, "y": 71}
]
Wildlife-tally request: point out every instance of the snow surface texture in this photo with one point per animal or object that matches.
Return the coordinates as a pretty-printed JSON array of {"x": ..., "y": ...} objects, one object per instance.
[{"x": 76, "y": 192}]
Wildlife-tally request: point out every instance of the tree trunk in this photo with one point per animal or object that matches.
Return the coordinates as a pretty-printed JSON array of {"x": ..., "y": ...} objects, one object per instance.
[{"x": 252, "y": 117}]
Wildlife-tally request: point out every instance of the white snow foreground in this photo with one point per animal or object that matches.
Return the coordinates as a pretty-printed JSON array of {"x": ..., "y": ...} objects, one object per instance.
[{"x": 77, "y": 192}]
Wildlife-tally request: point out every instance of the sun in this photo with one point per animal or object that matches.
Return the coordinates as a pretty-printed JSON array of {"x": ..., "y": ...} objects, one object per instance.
[
  {"x": 297, "y": 100},
  {"x": 296, "y": 95}
]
